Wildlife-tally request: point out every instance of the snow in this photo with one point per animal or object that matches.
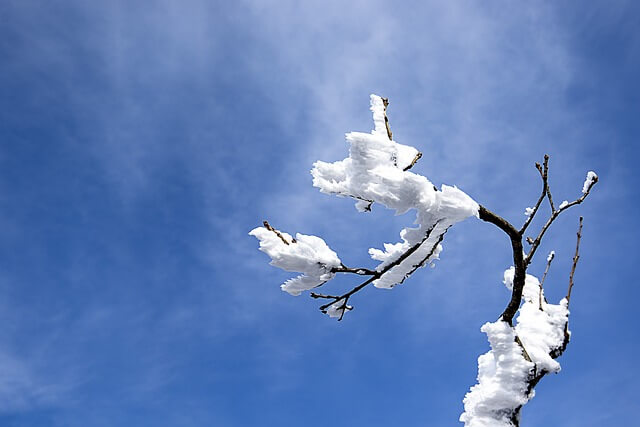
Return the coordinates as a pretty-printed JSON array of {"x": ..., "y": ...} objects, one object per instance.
[
  {"x": 336, "y": 309},
  {"x": 309, "y": 255},
  {"x": 504, "y": 371},
  {"x": 528, "y": 211},
  {"x": 551, "y": 255},
  {"x": 502, "y": 376},
  {"x": 374, "y": 172},
  {"x": 588, "y": 182},
  {"x": 564, "y": 203}
]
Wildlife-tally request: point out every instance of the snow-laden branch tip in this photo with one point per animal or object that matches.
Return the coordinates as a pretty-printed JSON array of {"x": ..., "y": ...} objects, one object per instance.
[
  {"x": 551, "y": 255},
  {"x": 591, "y": 179},
  {"x": 309, "y": 255}
]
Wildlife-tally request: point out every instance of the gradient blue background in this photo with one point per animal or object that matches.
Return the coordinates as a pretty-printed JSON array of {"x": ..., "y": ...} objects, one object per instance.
[{"x": 141, "y": 141}]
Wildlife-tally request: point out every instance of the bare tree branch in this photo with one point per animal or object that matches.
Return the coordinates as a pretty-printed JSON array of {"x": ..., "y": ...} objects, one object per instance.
[
  {"x": 518, "y": 261},
  {"x": 385, "y": 102},
  {"x": 576, "y": 257},
  {"x": 277, "y": 233},
  {"x": 521, "y": 262},
  {"x": 413, "y": 162},
  {"x": 554, "y": 215},
  {"x": 316, "y": 295},
  {"x": 359, "y": 271},
  {"x": 544, "y": 276},
  {"x": 544, "y": 169},
  {"x": 553, "y": 208},
  {"x": 378, "y": 274}
]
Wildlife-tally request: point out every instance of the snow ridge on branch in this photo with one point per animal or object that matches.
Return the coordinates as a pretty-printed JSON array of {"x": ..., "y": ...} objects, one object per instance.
[
  {"x": 308, "y": 255},
  {"x": 518, "y": 354}
]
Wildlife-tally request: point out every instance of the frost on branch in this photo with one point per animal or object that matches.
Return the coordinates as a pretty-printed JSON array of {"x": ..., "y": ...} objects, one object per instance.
[
  {"x": 338, "y": 308},
  {"x": 502, "y": 380},
  {"x": 376, "y": 171},
  {"x": 517, "y": 356},
  {"x": 309, "y": 255},
  {"x": 591, "y": 179}
]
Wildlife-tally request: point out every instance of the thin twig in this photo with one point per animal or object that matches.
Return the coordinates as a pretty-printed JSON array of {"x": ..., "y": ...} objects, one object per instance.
[
  {"x": 553, "y": 208},
  {"x": 524, "y": 350},
  {"x": 554, "y": 215},
  {"x": 385, "y": 102},
  {"x": 277, "y": 233},
  {"x": 413, "y": 162},
  {"x": 359, "y": 271},
  {"x": 366, "y": 208},
  {"x": 544, "y": 174},
  {"x": 344, "y": 307},
  {"x": 378, "y": 274},
  {"x": 576, "y": 257},
  {"x": 544, "y": 276},
  {"x": 426, "y": 258},
  {"x": 316, "y": 295}
]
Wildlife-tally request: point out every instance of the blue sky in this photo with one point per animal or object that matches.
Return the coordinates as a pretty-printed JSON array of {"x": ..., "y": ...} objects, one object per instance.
[{"x": 141, "y": 141}]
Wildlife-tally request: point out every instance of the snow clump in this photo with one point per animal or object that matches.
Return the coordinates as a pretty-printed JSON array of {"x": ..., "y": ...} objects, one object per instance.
[{"x": 504, "y": 371}]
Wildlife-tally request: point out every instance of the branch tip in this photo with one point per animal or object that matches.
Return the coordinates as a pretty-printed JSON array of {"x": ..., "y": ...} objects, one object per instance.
[
  {"x": 413, "y": 162},
  {"x": 277, "y": 233},
  {"x": 576, "y": 257},
  {"x": 385, "y": 102}
]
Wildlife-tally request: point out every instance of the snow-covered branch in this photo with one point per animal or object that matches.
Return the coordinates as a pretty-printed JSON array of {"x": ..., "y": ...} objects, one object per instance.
[
  {"x": 308, "y": 255},
  {"x": 518, "y": 355},
  {"x": 377, "y": 170}
]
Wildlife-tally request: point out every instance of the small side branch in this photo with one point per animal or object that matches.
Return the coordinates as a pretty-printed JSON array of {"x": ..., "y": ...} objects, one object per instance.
[
  {"x": 553, "y": 208},
  {"x": 544, "y": 276},
  {"x": 525, "y": 354},
  {"x": 544, "y": 174},
  {"x": 426, "y": 258},
  {"x": 413, "y": 162},
  {"x": 554, "y": 215},
  {"x": 277, "y": 233},
  {"x": 576, "y": 257},
  {"x": 367, "y": 208},
  {"x": 359, "y": 271},
  {"x": 374, "y": 274},
  {"x": 316, "y": 295},
  {"x": 385, "y": 101}
]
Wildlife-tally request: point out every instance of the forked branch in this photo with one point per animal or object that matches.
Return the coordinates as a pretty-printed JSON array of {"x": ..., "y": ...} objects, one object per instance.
[
  {"x": 544, "y": 174},
  {"x": 520, "y": 261},
  {"x": 554, "y": 214},
  {"x": 377, "y": 274}
]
